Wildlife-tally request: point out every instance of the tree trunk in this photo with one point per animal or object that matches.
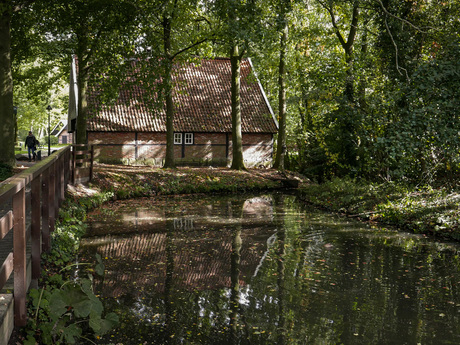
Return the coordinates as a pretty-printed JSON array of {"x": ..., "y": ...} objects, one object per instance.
[
  {"x": 169, "y": 159},
  {"x": 7, "y": 138},
  {"x": 237, "y": 138},
  {"x": 82, "y": 83},
  {"x": 362, "y": 81},
  {"x": 281, "y": 144},
  {"x": 167, "y": 84},
  {"x": 347, "y": 46},
  {"x": 350, "y": 79}
]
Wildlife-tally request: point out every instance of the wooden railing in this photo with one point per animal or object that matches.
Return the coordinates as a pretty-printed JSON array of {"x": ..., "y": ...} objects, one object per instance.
[
  {"x": 29, "y": 206},
  {"x": 82, "y": 163}
]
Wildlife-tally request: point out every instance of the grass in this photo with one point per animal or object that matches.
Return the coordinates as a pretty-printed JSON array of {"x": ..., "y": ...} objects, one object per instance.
[{"x": 143, "y": 181}]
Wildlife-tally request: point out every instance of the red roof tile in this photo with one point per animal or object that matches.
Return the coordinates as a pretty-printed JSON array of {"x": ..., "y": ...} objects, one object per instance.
[{"x": 202, "y": 103}]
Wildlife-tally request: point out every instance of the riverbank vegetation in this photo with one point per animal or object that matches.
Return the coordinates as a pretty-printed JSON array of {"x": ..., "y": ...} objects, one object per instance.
[{"x": 425, "y": 210}]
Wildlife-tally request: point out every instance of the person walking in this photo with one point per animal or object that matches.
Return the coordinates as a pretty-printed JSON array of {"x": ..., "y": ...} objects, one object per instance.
[{"x": 31, "y": 143}]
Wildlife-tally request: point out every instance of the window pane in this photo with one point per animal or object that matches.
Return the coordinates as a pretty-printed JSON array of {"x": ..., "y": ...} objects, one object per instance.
[
  {"x": 177, "y": 138},
  {"x": 189, "y": 138}
]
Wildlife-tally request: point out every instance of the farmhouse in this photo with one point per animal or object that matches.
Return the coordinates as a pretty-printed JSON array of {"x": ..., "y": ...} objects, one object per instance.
[{"x": 130, "y": 130}]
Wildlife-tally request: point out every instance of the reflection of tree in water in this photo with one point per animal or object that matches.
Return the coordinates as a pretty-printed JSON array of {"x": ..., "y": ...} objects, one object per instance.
[
  {"x": 169, "y": 329},
  {"x": 235, "y": 286},
  {"x": 281, "y": 252},
  {"x": 307, "y": 278},
  {"x": 188, "y": 269}
]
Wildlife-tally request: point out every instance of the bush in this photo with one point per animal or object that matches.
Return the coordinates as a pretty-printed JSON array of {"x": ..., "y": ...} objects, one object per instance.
[{"x": 6, "y": 171}]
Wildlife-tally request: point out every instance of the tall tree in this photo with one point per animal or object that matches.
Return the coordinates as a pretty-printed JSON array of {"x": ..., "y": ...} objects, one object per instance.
[
  {"x": 348, "y": 121},
  {"x": 172, "y": 30},
  {"x": 238, "y": 20},
  {"x": 284, "y": 27},
  {"x": 98, "y": 32},
  {"x": 237, "y": 137},
  {"x": 6, "y": 87},
  {"x": 7, "y": 117}
]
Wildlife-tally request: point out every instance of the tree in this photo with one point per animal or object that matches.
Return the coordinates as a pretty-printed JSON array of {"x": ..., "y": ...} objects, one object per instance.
[
  {"x": 347, "y": 44},
  {"x": 98, "y": 32},
  {"x": 238, "y": 20},
  {"x": 7, "y": 118},
  {"x": 237, "y": 137},
  {"x": 281, "y": 144},
  {"x": 172, "y": 32}
]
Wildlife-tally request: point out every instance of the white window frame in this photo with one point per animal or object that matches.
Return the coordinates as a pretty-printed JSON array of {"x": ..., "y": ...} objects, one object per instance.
[
  {"x": 178, "y": 138},
  {"x": 188, "y": 138}
]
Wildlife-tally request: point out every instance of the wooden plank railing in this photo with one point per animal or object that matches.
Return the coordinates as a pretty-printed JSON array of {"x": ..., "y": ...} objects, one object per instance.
[
  {"x": 29, "y": 204},
  {"x": 82, "y": 160}
]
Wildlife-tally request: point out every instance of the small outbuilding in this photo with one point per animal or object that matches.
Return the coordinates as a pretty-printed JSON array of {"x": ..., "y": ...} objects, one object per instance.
[
  {"x": 61, "y": 132},
  {"x": 129, "y": 130}
]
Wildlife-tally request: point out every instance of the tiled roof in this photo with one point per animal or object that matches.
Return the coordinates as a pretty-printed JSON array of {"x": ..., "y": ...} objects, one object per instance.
[{"x": 202, "y": 103}]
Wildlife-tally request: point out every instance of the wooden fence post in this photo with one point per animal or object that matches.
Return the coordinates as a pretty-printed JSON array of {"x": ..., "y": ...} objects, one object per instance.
[
  {"x": 62, "y": 181},
  {"x": 91, "y": 163},
  {"x": 46, "y": 211},
  {"x": 52, "y": 197},
  {"x": 74, "y": 164},
  {"x": 57, "y": 180},
  {"x": 19, "y": 257},
  {"x": 35, "y": 228}
]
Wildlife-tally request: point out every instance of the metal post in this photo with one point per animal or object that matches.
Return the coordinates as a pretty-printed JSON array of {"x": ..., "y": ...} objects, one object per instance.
[{"x": 49, "y": 129}]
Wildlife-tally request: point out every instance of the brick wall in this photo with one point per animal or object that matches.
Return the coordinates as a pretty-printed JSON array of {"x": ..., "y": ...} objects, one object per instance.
[
  {"x": 65, "y": 137},
  {"x": 207, "y": 148}
]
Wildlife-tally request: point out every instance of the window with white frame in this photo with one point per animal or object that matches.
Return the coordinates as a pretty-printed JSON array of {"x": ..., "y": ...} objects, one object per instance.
[
  {"x": 188, "y": 139},
  {"x": 177, "y": 138}
]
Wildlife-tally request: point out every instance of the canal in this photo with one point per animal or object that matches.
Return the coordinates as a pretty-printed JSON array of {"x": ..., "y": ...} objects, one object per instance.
[{"x": 268, "y": 269}]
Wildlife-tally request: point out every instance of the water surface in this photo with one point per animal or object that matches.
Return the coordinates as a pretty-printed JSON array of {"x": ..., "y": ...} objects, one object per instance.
[{"x": 267, "y": 269}]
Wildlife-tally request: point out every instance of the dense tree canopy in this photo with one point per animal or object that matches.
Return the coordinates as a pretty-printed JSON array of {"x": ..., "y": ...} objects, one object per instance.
[{"x": 367, "y": 88}]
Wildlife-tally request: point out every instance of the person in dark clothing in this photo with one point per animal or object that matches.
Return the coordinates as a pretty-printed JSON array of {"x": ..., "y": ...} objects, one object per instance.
[{"x": 31, "y": 143}]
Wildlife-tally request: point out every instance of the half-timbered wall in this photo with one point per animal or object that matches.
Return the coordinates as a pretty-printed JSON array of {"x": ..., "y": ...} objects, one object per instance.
[{"x": 205, "y": 148}]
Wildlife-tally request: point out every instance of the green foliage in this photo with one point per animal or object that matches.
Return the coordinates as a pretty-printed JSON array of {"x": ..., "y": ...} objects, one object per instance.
[
  {"x": 65, "y": 311},
  {"x": 351, "y": 196},
  {"x": 401, "y": 124},
  {"x": 6, "y": 171},
  {"x": 422, "y": 210}
]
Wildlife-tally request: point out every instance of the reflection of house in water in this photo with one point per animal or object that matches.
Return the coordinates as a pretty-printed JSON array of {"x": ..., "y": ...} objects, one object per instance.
[
  {"x": 199, "y": 215},
  {"x": 198, "y": 257}
]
